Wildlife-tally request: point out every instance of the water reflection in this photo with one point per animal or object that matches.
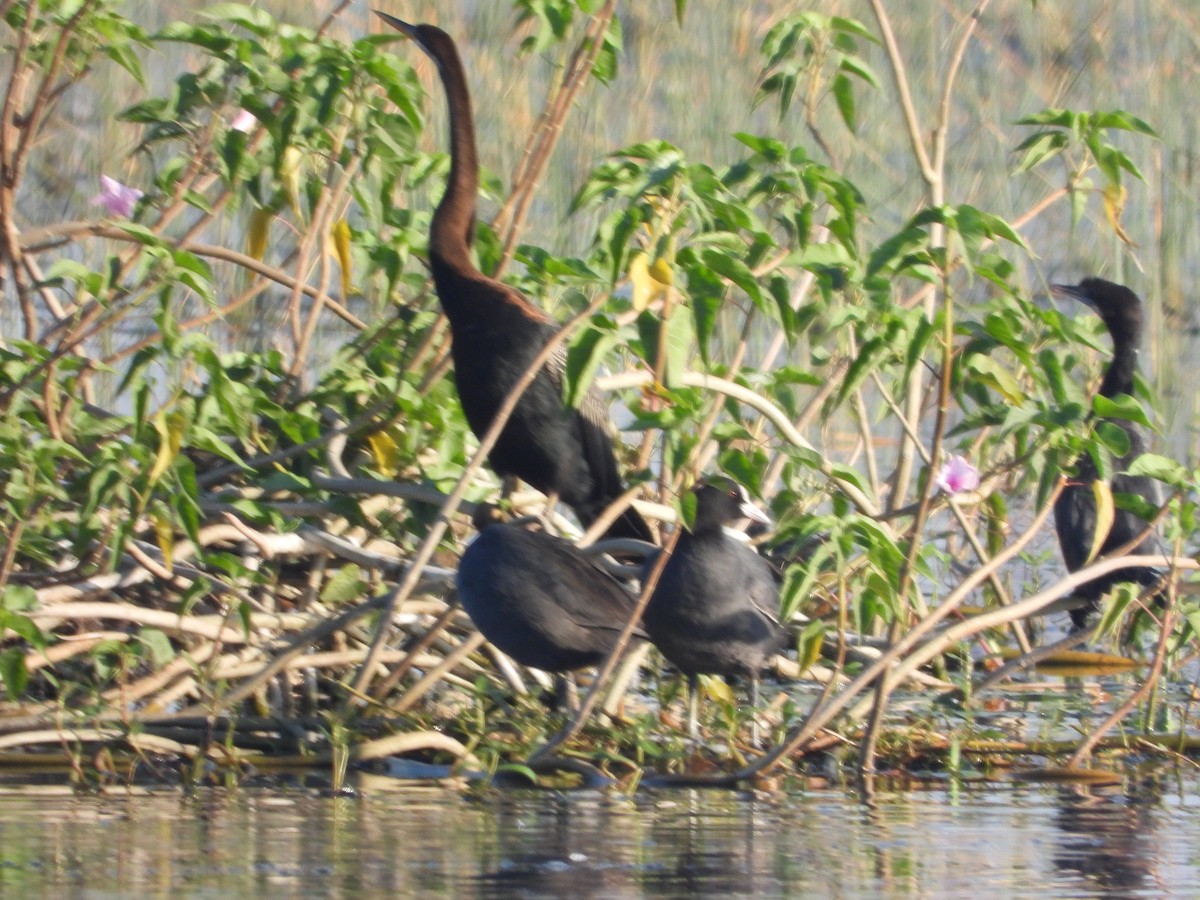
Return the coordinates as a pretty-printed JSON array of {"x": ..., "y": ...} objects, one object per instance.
[
  {"x": 1108, "y": 842},
  {"x": 973, "y": 840},
  {"x": 560, "y": 845}
]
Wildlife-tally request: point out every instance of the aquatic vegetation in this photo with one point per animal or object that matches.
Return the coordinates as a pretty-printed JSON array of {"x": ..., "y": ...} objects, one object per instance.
[{"x": 236, "y": 479}]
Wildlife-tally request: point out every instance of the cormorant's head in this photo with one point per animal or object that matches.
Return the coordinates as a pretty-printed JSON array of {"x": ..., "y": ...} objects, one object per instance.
[{"x": 1116, "y": 304}]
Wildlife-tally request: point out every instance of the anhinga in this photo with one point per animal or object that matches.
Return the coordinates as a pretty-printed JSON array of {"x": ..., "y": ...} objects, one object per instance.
[
  {"x": 715, "y": 608},
  {"x": 496, "y": 333},
  {"x": 539, "y": 598},
  {"x": 1075, "y": 517}
]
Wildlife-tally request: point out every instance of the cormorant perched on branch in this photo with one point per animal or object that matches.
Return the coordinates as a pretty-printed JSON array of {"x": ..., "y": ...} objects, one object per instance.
[
  {"x": 715, "y": 608},
  {"x": 1075, "y": 511},
  {"x": 496, "y": 333}
]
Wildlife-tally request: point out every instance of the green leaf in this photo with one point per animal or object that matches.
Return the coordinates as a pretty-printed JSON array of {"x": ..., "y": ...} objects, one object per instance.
[
  {"x": 891, "y": 250},
  {"x": 1114, "y": 437},
  {"x": 685, "y": 506},
  {"x": 19, "y": 598},
  {"x": 1121, "y": 406},
  {"x": 13, "y": 672},
  {"x": 245, "y": 613},
  {"x": 255, "y": 20},
  {"x": 517, "y": 769},
  {"x": 745, "y": 468},
  {"x": 123, "y": 56},
  {"x": 852, "y": 26},
  {"x": 24, "y": 627},
  {"x": 584, "y": 357},
  {"x": 159, "y": 646},
  {"x": 1062, "y": 118},
  {"x": 680, "y": 337},
  {"x": 1039, "y": 148},
  {"x": 1122, "y": 598},
  {"x": 1160, "y": 468},
  {"x": 1079, "y": 198},
  {"x": 736, "y": 271},
  {"x": 808, "y": 644},
  {"x": 856, "y": 66},
  {"x": 990, "y": 371},
  {"x": 843, "y": 94},
  {"x": 346, "y": 585},
  {"x": 141, "y": 234},
  {"x": 851, "y": 476},
  {"x": 1124, "y": 121}
]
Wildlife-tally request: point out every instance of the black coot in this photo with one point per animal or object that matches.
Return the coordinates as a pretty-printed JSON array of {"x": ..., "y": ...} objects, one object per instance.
[
  {"x": 715, "y": 608},
  {"x": 538, "y": 598}
]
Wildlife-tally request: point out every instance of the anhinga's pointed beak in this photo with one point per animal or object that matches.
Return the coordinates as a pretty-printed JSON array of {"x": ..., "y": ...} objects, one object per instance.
[
  {"x": 400, "y": 25},
  {"x": 1074, "y": 291}
]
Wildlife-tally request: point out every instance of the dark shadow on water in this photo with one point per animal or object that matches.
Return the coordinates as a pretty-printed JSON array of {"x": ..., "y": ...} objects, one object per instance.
[
  {"x": 681, "y": 844},
  {"x": 559, "y": 846},
  {"x": 1108, "y": 841}
]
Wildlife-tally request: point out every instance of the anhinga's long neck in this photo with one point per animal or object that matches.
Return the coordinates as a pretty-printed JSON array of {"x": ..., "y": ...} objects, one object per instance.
[
  {"x": 1119, "y": 377},
  {"x": 454, "y": 219}
]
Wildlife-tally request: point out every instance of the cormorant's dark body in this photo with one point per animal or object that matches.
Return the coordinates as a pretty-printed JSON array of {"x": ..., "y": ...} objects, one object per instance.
[
  {"x": 1075, "y": 510},
  {"x": 715, "y": 607},
  {"x": 541, "y": 600},
  {"x": 496, "y": 333}
]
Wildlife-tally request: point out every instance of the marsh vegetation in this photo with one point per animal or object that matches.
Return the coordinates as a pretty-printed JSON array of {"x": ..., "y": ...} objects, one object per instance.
[{"x": 806, "y": 249}]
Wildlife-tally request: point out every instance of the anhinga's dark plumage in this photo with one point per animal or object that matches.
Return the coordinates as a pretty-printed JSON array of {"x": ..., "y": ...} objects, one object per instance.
[
  {"x": 715, "y": 608},
  {"x": 496, "y": 333},
  {"x": 1075, "y": 511},
  {"x": 539, "y": 598}
]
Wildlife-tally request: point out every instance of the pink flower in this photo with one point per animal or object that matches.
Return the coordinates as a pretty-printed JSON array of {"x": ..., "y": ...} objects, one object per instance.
[
  {"x": 957, "y": 475},
  {"x": 244, "y": 121},
  {"x": 117, "y": 199}
]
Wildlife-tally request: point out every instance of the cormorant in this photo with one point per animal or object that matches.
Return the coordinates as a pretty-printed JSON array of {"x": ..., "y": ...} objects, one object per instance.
[{"x": 1075, "y": 510}]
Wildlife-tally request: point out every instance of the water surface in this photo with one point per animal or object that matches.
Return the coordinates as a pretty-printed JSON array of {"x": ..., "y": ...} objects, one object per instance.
[{"x": 979, "y": 839}]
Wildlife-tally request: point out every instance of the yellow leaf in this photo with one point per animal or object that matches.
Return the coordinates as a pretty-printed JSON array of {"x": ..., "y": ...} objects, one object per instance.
[
  {"x": 170, "y": 433},
  {"x": 1105, "y": 513},
  {"x": 260, "y": 230},
  {"x": 808, "y": 645},
  {"x": 1064, "y": 775},
  {"x": 164, "y": 534},
  {"x": 639, "y": 278},
  {"x": 650, "y": 281},
  {"x": 341, "y": 247},
  {"x": 716, "y": 689},
  {"x": 1114, "y": 206},
  {"x": 661, "y": 271},
  {"x": 1078, "y": 663},
  {"x": 385, "y": 452},
  {"x": 289, "y": 177}
]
